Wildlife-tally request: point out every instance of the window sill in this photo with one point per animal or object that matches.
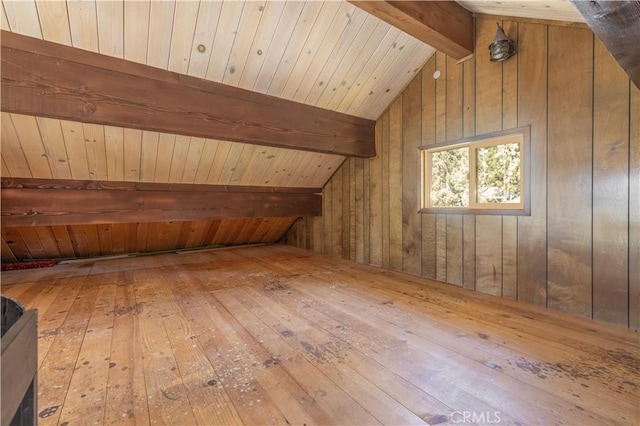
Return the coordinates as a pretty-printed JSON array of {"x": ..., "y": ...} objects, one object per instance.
[{"x": 462, "y": 210}]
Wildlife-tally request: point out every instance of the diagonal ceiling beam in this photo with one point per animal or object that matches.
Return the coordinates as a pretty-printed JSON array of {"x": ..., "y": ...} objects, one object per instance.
[
  {"x": 617, "y": 25},
  {"x": 51, "y": 80},
  {"x": 444, "y": 25},
  {"x": 47, "y": 202}
]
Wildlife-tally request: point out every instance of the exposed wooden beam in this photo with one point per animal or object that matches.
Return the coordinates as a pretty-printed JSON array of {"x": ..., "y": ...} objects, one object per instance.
[
  {"x": 444, "y": 25},
  {"x": 51, "y": 80},
  {"x": 617, "y": 25},
  {"x": 40, "y": 202}
]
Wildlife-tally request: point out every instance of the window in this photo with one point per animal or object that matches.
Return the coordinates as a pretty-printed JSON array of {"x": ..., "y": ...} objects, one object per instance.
[{"x": 486, "y": 174}]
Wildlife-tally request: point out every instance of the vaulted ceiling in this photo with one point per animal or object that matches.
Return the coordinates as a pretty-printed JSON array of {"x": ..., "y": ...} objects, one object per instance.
[
  {"x": 327, "y": 54},
  {"x": 324, "y": 53},
  {"x": 557, "y": 10}
]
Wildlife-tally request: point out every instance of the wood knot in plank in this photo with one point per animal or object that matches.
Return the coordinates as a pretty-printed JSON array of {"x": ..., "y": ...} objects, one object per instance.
[{"x": 88, "y": 108}]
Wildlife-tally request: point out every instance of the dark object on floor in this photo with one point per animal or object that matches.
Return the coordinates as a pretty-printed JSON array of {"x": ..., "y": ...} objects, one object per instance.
[
  {"x": 11, "y": 313},
  {"x": 19, "y": 363},
  {"x": 28, "y": 265}
]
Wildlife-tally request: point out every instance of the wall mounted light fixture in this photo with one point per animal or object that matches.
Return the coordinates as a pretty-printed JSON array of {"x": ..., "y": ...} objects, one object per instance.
[{"x": 502, "y": 48}]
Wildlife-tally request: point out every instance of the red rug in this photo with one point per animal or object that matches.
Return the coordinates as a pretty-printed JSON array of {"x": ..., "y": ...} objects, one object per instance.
[{"x": 28, "y": 265}]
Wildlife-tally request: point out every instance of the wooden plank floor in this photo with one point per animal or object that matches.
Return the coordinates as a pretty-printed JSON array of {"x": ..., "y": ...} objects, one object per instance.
[{"x": 275, "y": 334}]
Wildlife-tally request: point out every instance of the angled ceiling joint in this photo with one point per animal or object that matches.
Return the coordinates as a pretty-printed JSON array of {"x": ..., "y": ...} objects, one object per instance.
[
  {"x": 444, "y": 25},
  {"x": 617, "y": 25}
]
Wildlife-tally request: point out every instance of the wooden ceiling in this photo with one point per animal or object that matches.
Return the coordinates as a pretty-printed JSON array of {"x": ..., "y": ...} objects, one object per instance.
[
  {"x": 327, "y": 54},
  {"x": 555, "y": 10},
  {"x": 323, "y": 53}
]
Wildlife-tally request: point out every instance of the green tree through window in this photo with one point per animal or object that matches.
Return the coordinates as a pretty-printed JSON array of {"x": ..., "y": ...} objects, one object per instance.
[
  {"x": 498, "y": 174},
  {"x": 450, "y": 178}
]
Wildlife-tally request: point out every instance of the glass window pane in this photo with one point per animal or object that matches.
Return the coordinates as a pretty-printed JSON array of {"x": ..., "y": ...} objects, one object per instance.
[
  {"x": 450, "y": 178},
  {"x": 498, "y": 174}
]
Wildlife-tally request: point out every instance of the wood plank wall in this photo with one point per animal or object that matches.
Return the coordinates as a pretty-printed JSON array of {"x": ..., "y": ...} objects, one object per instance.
[{"x": 579, "y": 250}]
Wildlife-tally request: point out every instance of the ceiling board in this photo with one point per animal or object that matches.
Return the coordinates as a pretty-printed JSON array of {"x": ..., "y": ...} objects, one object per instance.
[
  {"x": 4, "y": 24},
  {"x": 49, "y": 148},
  {"x": 54, "y": 21},
  {"x": 51, "y": 80},
  {"x": 557, "y": 10},
  {"x": 23, "y": 17},
  {"x": 136, "y": 31},
  {"x": 445, "y": 25},
  {"x": 271, "y": 47}
]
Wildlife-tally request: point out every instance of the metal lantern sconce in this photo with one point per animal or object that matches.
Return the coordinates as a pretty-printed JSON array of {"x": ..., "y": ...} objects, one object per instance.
[{"x": 502, "y": 48}]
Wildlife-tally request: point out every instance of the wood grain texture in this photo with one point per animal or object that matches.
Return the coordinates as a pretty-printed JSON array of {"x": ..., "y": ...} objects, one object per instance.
[
  {"x": 23, "y": 17},
  {"x": 510, "y": 257},
  {"x": 257, "y": 333},
  {"x": 395, "y": 184},
  {"x": 348, "y": 212},
  {"x": 83, "y": 25},
  {"x": 151, "y": 156},
  {"x": 411, "y": 138},
  {"x": 469, "y": 251},
  {"x": 358, "y": 194},
  {"x": 274, "y": 48},
  {"x": 29, "y": 137},
  {"x": 15, "y": 163},
  {"x": 489, "y": 255},
  {"x": 91, "y": 379},
  {"x": 96, "y": 185},
  {"x": 445, "y": 25},
  {"x": 569, "y": 174},
  {"x": 510, "y": 76},
  {"x": 634, "y": 209},
  {"x": 488, "y": 85},
  {"x": 366, "y": 226},
  {"x": 375, "y": 200},
  {"x": 337, "y": 214},
  {"x": 428, "y": 138},
  {"x": 454, "y": 99},
  {"x": 51, "y": 202},
  {"x": 386, "y": 189},
  {"x": 353, "y": 209},
  {"x": 441, "y": 98},
  {"x": 616, "y": 24},
  {"x": 489, "y": 110},
  {"x": 127, "y": 394},
  {"x": 513, "y": 257},
  {"x": 77, "y": 241},
  {"x": 96, "y": 89},
  {"x": 53, "y": 379},
  {"x": 469, "y": 98},
  {"x": 327, "y": 217},
  {"x": 532, "y": 110},
  {"x": 610, "y": 189},
  {"x": 441, "y": 247},
  {"x": 54, "y": 21},
  {"x": 454, "y": 237}
]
